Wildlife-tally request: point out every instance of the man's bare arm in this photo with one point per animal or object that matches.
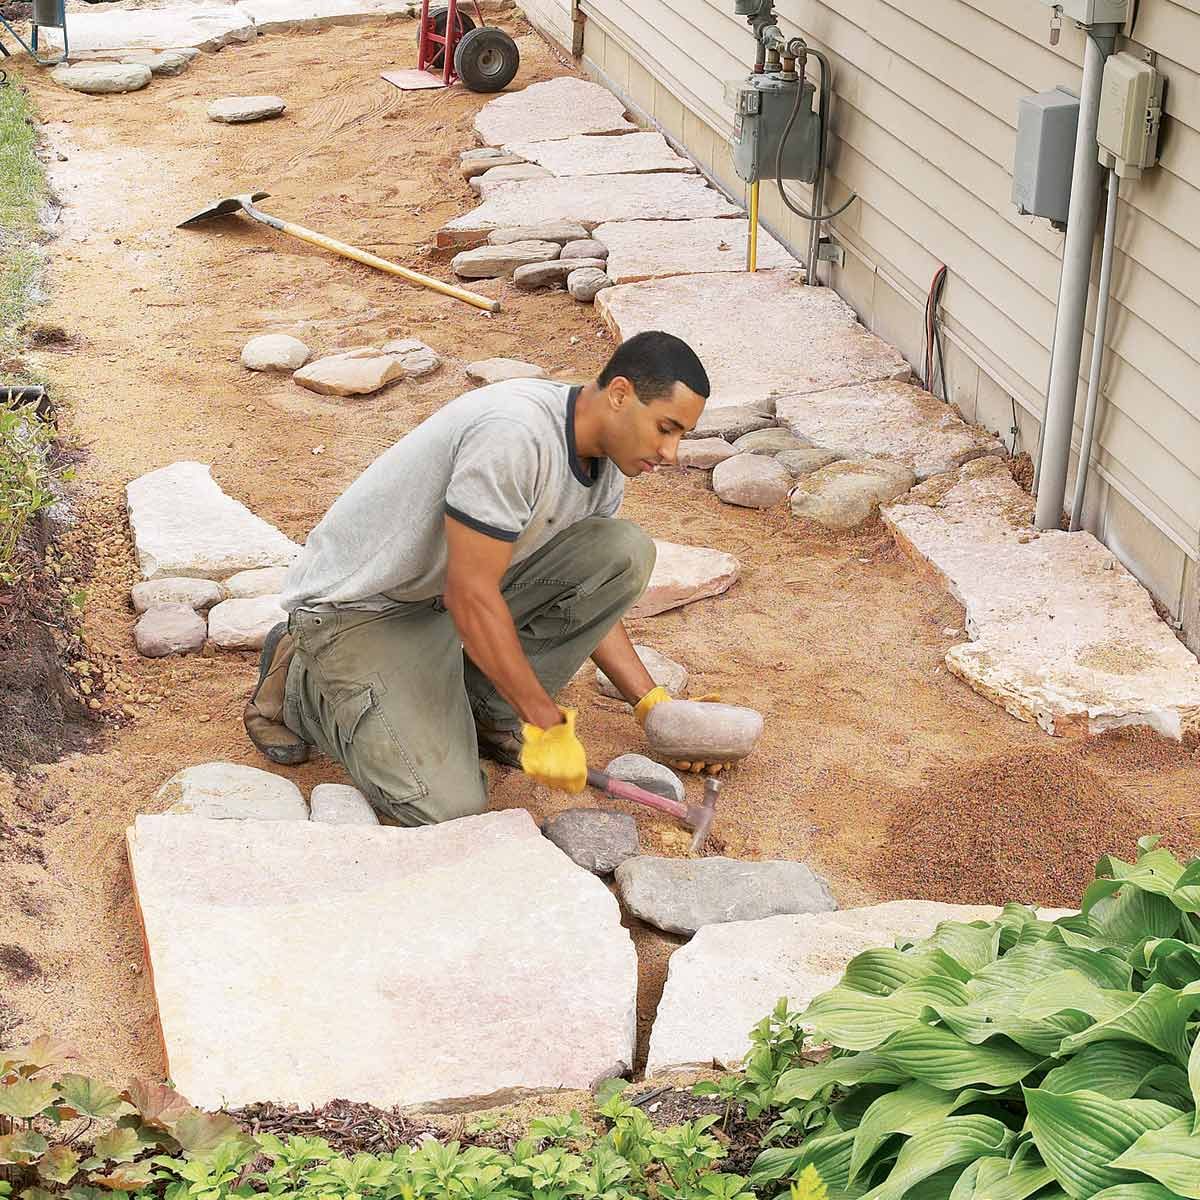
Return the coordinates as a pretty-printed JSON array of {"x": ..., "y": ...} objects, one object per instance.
[
  {"x": 477, "y": 564},
  {"x": 617, "y": 658}
]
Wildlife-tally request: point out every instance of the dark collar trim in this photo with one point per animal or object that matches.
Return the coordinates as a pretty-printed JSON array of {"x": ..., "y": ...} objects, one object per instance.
[{"x": 586, "y": 477}]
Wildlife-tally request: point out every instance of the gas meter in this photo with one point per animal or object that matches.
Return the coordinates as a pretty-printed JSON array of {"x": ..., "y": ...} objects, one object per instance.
[{"x": 763, "y": 106}]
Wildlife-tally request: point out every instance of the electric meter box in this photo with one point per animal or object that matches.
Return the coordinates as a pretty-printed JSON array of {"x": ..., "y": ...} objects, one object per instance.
[
  {"x": 762, "y": 106},
  {"x": 1045, "y": 158},
  {"x": 1092, "y": 12},
  {"x": 1130, "y": 113}
]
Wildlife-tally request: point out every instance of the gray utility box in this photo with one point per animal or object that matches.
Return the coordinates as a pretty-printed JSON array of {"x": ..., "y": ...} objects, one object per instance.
[
  {"x": 762, "y": 105},
  {"x": 1045, "y": 158}
]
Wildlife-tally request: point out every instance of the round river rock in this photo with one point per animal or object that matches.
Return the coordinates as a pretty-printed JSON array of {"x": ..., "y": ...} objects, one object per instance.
[{"x": 687, "y": 730}]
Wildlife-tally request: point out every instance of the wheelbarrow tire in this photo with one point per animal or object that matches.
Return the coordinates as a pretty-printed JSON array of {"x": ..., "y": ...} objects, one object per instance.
[
  {"x": 486, "y": 59},
  {"x": 438, "y": 17}
]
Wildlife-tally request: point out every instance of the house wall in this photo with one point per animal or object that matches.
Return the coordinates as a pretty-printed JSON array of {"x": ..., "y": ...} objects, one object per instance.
[{"x": 924, "y": 123}]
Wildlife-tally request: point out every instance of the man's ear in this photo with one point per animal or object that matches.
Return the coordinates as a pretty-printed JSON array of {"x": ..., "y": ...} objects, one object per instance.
[{"x": 621, "y": 393}]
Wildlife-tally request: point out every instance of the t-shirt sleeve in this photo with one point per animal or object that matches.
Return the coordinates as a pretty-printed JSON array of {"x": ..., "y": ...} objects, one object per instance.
[{"x": 493, "y": 481}]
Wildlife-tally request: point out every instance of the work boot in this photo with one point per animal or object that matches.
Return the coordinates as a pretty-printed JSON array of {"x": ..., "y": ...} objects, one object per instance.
[
  {"x": 500, "y": 745},
  {"x": 263, "y": 715}
]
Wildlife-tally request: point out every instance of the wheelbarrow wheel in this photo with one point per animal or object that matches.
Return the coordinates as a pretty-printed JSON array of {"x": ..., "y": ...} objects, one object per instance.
[
  {"x": 487, "y": 59},
  {"x": 438, "y": 17}
]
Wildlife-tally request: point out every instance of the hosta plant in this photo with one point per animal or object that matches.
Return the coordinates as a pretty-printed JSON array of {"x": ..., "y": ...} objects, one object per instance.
[{"x": 1018, "y": 1059}]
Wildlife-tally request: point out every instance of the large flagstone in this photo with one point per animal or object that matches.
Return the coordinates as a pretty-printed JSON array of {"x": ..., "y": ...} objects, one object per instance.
[
  {"x": 760, "y": 336},
  {"x": 451, "y": 964},
  {"x": 655, "y": 249},
  {"x": 106, "y": 30},
  {"x": 556, "y": 108},
  {"x": 584, "y": 155}
]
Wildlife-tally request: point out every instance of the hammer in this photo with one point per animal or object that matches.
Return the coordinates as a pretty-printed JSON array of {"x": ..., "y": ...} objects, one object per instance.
[{"x": 697, "y": 817}]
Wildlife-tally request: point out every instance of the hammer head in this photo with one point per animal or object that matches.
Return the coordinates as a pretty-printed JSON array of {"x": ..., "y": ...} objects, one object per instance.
[
  {"x": 223, "y": 208},
  {"x": 700, "y": 816}
]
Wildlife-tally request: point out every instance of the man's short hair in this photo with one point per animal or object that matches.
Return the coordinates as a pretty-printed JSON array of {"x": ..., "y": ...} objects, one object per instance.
[{"x": 654, "y": 362}]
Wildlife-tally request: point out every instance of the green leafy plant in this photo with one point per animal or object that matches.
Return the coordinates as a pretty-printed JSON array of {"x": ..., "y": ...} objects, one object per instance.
[
  {"x": 25, "y": 479},
  {"x": 1015, "y": 1058}
]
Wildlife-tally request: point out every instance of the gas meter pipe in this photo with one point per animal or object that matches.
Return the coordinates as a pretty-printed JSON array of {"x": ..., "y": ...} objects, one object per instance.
[
  {"x": 752, "y": 239},
  {"x": 1073, "y": 289}
]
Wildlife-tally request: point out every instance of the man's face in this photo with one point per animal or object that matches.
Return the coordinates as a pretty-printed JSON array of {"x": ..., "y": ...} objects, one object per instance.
[{"x": 640, "y": 437}]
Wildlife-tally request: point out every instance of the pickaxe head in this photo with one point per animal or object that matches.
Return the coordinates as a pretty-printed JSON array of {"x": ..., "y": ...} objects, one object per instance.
[{"x": 224, "y": 208}]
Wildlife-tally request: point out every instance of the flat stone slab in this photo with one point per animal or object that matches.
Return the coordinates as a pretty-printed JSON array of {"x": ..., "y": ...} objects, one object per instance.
[
  {"x": 887, "y": 419},
  {"x": 561, "y": 232},
  {"x": 632, "y": 153},
  {"x": 557, "y": 108},
  {"x": 195, "y": 593},
  {"x": 407, "y": 940},
  {"x": 751, "y": 481},
  {"x": 646, "y": 773},
  {"x": 240, "y": 110},
  {"x": 665, "y": 672},
  {"x": 162, "y": 62},
  {"x": 356, "y": 372},
  {"x": 1061, "y": 634},
  {"x": 109, "y": 30},
  {"x": 657, "y": 249},
  {"x": 553, "y": 274},
  {"x": 759, "y": 336},
  {"x": 592, "y": 838},
  {"x": 698, "y": 1025},
  {"x": 340, "y": 804},
  {"x": 243, "y": 624},
  {"x": 184, "y": 525},
  {"x": 479, "y": 165},
  {"x": 585, "y": 248},
  {"x": 770, "y": 442},
  {"x": 801, "y": 463},
  {"x": 846, "y": 493},
  {"x": 590, "y": 200},
  {"x": 496, "y": 370},
  {"x": 288, "y": 16},
  {"x": 101, "y": 79},
  {"x": 680, "y": 895},
  {"x": 730, "y": 422},
  {"x": 683, "y": 574},
  {"x": 484, "y": 182},
  {"x": 494, "y": 262},
  {"x": 223, "y": 791},
  {"x": 703, "y": 453}
]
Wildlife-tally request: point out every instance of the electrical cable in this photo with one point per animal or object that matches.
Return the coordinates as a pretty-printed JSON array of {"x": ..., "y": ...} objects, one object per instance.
[
  {"x": 935, "y": 358},
  {"x": 787, "y": 132},
  {"x": 1012, "y": 450}
]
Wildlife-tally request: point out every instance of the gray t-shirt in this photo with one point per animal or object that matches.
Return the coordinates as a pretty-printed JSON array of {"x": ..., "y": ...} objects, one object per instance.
[{"x": 500, "y": 459}]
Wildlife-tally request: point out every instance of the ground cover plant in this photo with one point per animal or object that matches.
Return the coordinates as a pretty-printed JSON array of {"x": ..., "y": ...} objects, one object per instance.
[
  {"x": 1006, "y": 1060},
  {"x": 1018, "y": 1059},
  {"x": 20, "y": 199}
]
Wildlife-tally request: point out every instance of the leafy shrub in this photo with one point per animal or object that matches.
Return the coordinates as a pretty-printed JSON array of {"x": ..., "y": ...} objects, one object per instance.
[
  {"x": 25, "y": 479},
  {"x": 1011, "y": 1059}
]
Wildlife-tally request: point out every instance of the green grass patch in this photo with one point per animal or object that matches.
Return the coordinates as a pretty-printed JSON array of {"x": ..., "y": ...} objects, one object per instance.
[{"x": 24, "y": 187}]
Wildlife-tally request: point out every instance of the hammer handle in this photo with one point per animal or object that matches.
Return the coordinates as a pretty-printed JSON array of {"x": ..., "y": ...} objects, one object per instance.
[{"x": 630, "y": 791}]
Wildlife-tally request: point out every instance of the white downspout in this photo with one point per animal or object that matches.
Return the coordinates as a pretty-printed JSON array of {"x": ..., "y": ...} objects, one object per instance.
[{"x": 1076, "y": 283}]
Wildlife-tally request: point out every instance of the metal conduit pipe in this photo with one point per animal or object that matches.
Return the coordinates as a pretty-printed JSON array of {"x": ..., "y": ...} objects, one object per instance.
[
  {"x": 1093, "y": 395},
  {"x": 1076, "y": 283}
]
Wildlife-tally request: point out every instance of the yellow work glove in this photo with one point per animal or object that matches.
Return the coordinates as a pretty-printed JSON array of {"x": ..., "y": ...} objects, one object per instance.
[
  {"x": 555, "y": 756},
  {"x": 657, "y": 696}
]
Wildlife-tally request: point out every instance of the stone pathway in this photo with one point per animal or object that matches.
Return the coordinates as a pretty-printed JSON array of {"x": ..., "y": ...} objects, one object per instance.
[
  {"x": 106, "y": 32},
  {"x": 300, "y": 962},
  {"x": 1062, "y": 635}
]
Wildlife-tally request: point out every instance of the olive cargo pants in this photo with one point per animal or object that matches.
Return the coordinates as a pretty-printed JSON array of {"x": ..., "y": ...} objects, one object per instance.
[{"x": 392, "y": 696}]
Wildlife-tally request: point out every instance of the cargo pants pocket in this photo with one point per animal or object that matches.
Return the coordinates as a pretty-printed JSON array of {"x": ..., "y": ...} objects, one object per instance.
[{"x": 372, "y": 752}]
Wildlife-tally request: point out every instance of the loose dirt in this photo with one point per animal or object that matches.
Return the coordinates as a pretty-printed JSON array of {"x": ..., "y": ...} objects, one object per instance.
[{"x": 834, "y": 638}]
